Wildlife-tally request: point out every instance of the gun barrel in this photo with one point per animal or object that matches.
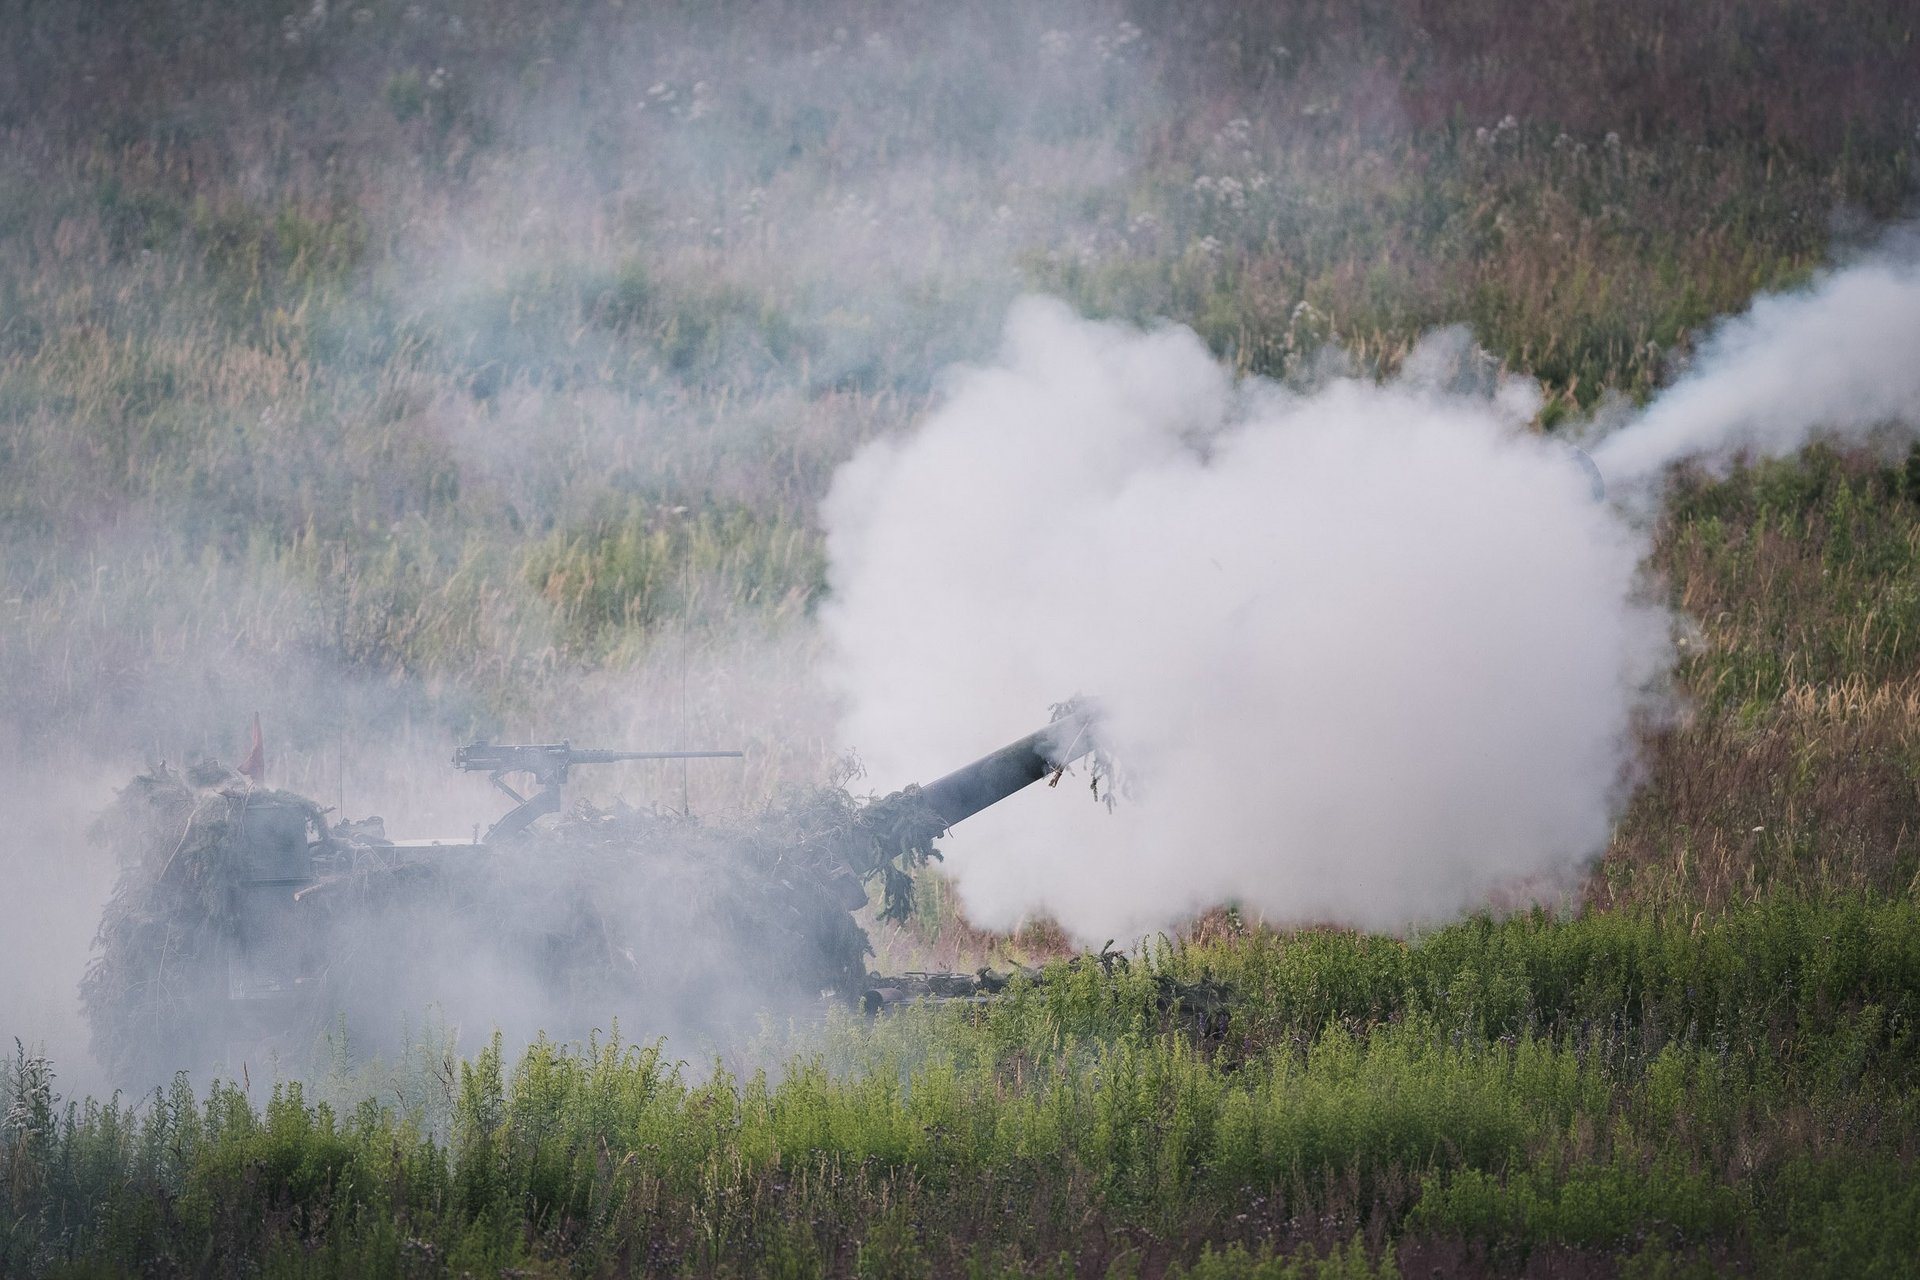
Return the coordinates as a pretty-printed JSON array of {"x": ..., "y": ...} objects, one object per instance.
[
  {"x": 546, "y": 756},
  {"x": 608, "y": 757},
  {"x": 992, "y": 778}
]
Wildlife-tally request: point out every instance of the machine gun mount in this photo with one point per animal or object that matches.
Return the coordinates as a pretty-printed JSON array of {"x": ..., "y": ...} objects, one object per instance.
[{"x": 548, "y": 763}]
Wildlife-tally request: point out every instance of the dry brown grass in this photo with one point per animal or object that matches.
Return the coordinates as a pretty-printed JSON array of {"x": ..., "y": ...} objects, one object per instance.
[
  {"x": 1794, "y": 764},
  {"x": 1819, "y": 796}
]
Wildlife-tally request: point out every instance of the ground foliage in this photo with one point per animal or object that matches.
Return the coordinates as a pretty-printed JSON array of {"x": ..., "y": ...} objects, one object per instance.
[{"x": 1622, "y": 1091}]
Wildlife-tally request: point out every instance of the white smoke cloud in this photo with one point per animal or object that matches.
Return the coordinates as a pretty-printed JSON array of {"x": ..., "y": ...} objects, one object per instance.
[
  {"x": 1837, "y": 359},
  {"x": 1371, "y": 654},
  {"x": 55, "y": 882}
]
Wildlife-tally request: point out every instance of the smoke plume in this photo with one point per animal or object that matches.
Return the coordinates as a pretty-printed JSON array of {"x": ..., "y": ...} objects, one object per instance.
[
  {"x": 1369, "y": 654},
  {"x": 1372, "y": 654},
  {"x": 1834, "y": 359}
]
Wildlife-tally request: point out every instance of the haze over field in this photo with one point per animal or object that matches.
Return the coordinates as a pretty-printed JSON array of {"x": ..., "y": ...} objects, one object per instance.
[{"x": 410, "y": 374}]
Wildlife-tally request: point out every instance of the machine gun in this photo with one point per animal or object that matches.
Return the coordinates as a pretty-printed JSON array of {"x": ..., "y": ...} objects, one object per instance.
[{"x": 548, "y": 762}]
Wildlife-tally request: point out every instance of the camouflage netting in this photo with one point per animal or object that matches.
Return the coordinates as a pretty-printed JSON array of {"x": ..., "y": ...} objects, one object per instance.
[
  {"x": 160, "y": 954},
  {"x": 660, "y": 921}
]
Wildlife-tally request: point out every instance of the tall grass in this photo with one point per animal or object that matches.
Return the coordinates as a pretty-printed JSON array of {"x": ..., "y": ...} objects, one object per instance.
[
  {"x": 1792, "y": 760},
  {"x": 1618, "y": 1085}
]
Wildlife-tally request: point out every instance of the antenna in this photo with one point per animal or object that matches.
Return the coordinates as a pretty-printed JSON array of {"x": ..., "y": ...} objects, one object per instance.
[{"x": 686, "y": 601}]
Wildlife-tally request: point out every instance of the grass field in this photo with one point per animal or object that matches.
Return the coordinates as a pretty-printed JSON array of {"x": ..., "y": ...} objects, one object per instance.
[
  {"x": 1622, "y": 1091},
  {"x": 416, "y": 372}
]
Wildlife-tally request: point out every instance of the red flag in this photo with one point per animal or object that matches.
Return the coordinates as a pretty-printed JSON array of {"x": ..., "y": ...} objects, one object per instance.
[{"x": 255, "y": 765}]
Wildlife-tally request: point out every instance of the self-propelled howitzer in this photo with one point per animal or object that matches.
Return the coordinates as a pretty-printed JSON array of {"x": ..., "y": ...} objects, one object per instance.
[{"x": 252, "y": 922}]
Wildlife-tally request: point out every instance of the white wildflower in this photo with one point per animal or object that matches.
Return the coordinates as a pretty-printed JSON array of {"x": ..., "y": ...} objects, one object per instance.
[{"x": 1113, "y": 47}]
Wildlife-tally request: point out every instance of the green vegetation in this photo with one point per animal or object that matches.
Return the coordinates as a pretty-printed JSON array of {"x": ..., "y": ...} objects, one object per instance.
[
  {"x": 449, "y": 364},
  {"x": 1621, "y": 1088}
]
